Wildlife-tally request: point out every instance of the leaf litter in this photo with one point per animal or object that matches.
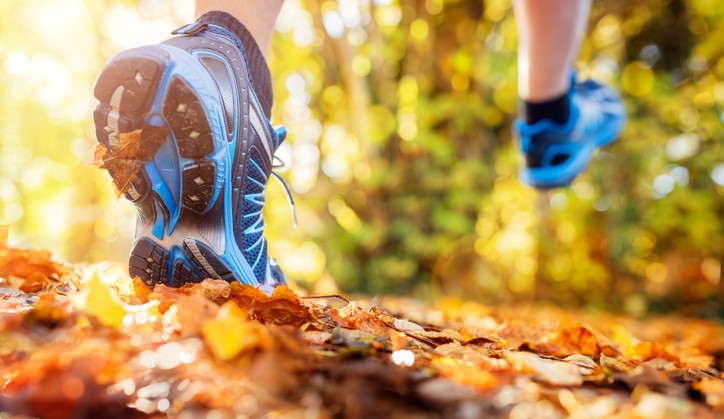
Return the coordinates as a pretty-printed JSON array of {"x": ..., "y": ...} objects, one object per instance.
[{"x": 88, "y": 341}]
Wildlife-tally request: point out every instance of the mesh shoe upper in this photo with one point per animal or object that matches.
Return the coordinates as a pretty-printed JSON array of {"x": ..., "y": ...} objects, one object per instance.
[{"x": 556, "y": 153}]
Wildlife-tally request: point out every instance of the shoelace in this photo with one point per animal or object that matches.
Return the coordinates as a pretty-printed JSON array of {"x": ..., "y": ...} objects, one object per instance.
[
  {"x": 281, "y": 133},
  {"x": 288, "y": 191}
]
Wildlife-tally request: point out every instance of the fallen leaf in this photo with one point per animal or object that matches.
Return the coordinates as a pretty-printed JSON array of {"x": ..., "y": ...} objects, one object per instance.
[
  {"x": 231, "y": 333},
  {"x": 713, "y": 390},
  {"x": 166, "y": 296},
  {"x": 282, "y": 307},
  {"x": 407, "y": 326},
  {"x": 353, "y": 317},
  {"x": 216, "y": 290},
  {"x": 464, "y": 373},
  {"x": 32, "y": 270},
  {"x": 141, "y": 290},
  {"x": 100, "y": 303},
  {"x": 613, "y": 364},
  {"x": 191, "y": 312},
  {"x": 568, "y": 341},
  {"x": 443, "y": 336},
  {"x": 643, "y": 375},
  {"x": 581, "y": 361},
  {"x": 50, "y": 311},
  {"x": 645, "y": 351},
  {"x": 553, "y": 372},
  {"x": 316, "y": 337}
]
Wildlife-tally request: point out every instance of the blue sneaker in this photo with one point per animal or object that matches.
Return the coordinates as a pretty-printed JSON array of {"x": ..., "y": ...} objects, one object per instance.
[
  {"x": 556, "y": 153},
  {"x": 183, "y": 135}
]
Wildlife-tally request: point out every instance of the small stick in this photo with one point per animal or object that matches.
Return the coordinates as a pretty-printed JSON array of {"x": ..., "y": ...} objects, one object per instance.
[{"x": 319, "y": 297}]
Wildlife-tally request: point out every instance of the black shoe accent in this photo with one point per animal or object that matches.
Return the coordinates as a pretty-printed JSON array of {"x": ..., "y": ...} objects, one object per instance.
[
  {"x": 149, "y": 261},
  {"x": 138, "y": 74},
  {"x": 220, "y": 269},
  {"x": 128, "y": 83},
  {"x": 557, "y": 109},
  {"x": 183, "y": 273},
  {"x": 188, "y": 122}
]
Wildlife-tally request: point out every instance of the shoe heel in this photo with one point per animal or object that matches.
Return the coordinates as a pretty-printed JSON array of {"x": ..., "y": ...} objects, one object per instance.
[{"x": 127, "y": 89}]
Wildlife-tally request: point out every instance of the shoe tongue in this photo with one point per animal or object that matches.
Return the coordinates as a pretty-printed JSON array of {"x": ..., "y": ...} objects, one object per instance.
[
  {"x": 228, "y": 26},
  {"x": 280, "y": 134}
]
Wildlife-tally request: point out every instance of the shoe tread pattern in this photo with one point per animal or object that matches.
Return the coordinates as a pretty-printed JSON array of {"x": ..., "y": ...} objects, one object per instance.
[
  {"x": 188, "y": 122},
  {"x": 148, "y": 261},
  {"x": 136, "y": 75}
]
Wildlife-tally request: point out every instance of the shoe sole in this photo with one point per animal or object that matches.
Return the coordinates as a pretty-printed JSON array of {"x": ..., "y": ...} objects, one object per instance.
[
  {"x": 142, "y": 95},
  {"x": 545, "y": 178}
]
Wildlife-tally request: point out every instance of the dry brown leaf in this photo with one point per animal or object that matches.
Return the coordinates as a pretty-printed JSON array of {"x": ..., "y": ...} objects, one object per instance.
[
  {"x": 443, "y": 336},
  {"x": 552, "y": 372},
  {"x": 613, "y": 364},
  {"x": 353, "y": 317},
  {"x": 713, "y": 390},
  {"x": 62, "y": 386},
  {"x": 645, "y": 351},
  {"x": 216, "y": 290},
  {"x": 399, "y": 340},
  {"x": 407, "y": 326},
  {"x": 643, "y": 375},
  {"x": 569, "y": 341},
  {"x": 191, "y": 312},
  {"x": 99, "y": 156},
  {"x": 282, "y": 307},
  {"x": 32, "y": 270},
  {"x": 141, "y": 290},
  {"x": 464, "y": 373},
  {"x": 165, "y": 295},
  {"x": 316, "y": 337},
  {"x": 581, "y": 361},
  {"x": 50, "y": 311}
]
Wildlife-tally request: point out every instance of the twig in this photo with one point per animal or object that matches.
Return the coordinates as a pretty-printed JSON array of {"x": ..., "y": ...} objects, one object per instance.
[{"x": 319, "y": 297}]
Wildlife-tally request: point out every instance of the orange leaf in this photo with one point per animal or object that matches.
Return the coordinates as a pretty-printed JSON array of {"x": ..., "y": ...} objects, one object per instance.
[
  {"x": 32, "y": 270},
  {"x": 569, "y": 341},
  {"x": 282, "y": 307},
  {"x": 650, "y": 350},
  {"x": 464, "y": 373},
  {"x": 713, "y": 389}
]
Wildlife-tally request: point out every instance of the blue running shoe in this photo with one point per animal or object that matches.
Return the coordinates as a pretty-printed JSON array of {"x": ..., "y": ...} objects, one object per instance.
[
  {"x": 183, "y": 135},
  {"x": 556, "y": 153}
]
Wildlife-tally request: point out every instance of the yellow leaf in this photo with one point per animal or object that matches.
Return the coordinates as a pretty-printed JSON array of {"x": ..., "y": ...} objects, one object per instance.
[
  {"x": 101, "y": 303},
  {"x": 231, "y": 333}
]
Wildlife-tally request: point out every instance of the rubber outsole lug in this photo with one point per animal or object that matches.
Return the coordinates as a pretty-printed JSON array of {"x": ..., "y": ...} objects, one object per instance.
[
  {"x": 153, "y": 264},
  {"x": 189, "y": 124},
  {"x": 126, "y": 90},
  {"x": 148, "y": 261}
]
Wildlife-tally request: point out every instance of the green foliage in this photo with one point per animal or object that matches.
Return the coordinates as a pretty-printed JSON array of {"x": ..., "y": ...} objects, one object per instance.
[
  {"x": 438, "y": 202},
  {"x": 401, "y": 152}
]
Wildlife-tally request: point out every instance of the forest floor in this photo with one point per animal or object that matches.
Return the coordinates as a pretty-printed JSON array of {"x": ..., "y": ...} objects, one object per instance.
[{"x": 87, "y": 341}]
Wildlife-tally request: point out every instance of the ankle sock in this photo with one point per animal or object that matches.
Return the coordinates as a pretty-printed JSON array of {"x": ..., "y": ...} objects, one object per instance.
[
  {"x": 557, "y": 109},
  {"x": 260, "y": 75}
]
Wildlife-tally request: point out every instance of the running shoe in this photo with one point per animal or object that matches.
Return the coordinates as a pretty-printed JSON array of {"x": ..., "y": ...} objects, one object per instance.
[
  {"x": 181, "y": 131},
  {"x": 556, "y": 153}
]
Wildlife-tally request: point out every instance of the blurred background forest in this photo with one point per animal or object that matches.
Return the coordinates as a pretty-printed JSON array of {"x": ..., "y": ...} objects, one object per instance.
[{"x": 400, "y": 150}]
